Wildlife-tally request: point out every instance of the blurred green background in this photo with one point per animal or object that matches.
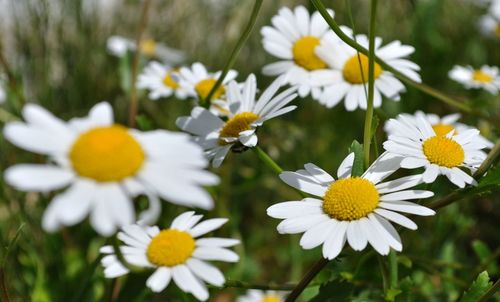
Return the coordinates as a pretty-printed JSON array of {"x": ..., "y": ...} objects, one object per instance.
[{"x": 56, "y": 50}]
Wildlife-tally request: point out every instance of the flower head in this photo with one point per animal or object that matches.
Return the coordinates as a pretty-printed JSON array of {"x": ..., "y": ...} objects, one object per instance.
[
  {"x": 119, "y": 46},
  {"x": 487, "y": 78},
  {"x": 161, "y": 81},
  {"x": 255, "y": 295}
]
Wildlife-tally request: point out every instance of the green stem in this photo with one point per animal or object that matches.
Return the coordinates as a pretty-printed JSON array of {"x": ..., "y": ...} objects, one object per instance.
[
  {"x": 422, "y": 87},
  {"x": 318, "y": 266},
  {"x": 490, "y": 292},
  {"x": 235, "y": 52},
  {"x": 371, "y": 85},
  {"x": 393, "y": 268},
  {"x": 267, "y": 160},
  {"x": 384, "y": 273}
]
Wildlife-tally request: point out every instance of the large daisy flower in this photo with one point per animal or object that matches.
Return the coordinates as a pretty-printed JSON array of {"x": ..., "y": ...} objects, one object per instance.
[
  {"x": 351, "y": 67},
  {"x": 104, "y": 165},
  {"x": 488, "y": 77},
  {"x": 255, "y": 295},
  {"x": 176, "y": 253},
  {"x": 441, "y": 125},
  {"x": 421, "y": 145},
  {"x": 293, "y": 39},
  {"x": 161, "y": 81},
  {"x": 119, "y": 46},
  {"x": 198, "y": 82},
  {"x": 218, "y": 136},
  {"x": 352, "y": 209}
]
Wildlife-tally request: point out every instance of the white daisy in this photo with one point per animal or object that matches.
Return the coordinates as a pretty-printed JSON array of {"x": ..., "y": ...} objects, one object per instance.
[
  {"x": 197, "y": 82},
  {"x": 104, "y": 165},
  {"x": 351, "y": 68},
  {"x": 292, "y": 38},
  {"x": 119, "y": 46},
  {"x": 421, "y": 145},
  {"x": 488, "y": 77},
  {"x": 161, "y": 81},
  {"x": 255, "y": 295},
  {"x": 217, "y": 136},
  {"x": 174, "y": 253},
  {"x": 441, "y": 125},
  {"x": 356, "y": 209},
  {"x": 489, "y": 26}
]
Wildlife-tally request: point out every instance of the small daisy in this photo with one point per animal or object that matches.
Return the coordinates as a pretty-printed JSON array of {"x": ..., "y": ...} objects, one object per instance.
[
  {"x": 293, "y": 39},
  {"x": 175, "y": 254},
  {"x": 351, "y": 67},
  {"x": 255, "y": 295},
  {"x": 104, "y": 165},
  {"x": 441, "y": 125},
  {"x": 421, "y": 145},
  {"x": 352, "y": 209},
  {"x": 217, "y": 136},
  {"x": 489, "y": 26},
  {"x": 161, "y": 80},
  {"x": 198, "y": 82},
  {"x": 119, "y": 46},
  {"x": 488, "y": 77}
]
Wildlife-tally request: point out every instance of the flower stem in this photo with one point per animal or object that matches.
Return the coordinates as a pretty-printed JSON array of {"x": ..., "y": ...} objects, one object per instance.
[
  {"x": 317, "y": 267},
  {"x": 393, "y": 269},
  {"x": 371, "y": 85},
  {"x": 267, "y": 160},
  {"x": 235, "y": 52}
]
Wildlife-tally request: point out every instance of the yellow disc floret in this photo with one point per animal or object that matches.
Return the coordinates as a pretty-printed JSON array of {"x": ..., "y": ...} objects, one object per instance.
[
  {"x": 170, "y": 248},
  {"x": 106, "y": 154},
  {"x": 443, "y": 129},
  {"x": 204, "y": 86},
  {"x": 238, "y": 123},
  {"x": 482, "y": 77},
  {"x": 271, "y": 298},
  {"x": 356, "y": 69},
  {"x": 148, "y": 47},
  {"x": 304, "y": 55},
  {"x": 443, "y": 151},
  {"x": 169, "y": 81},
  {"x": 350, "y": 199}
]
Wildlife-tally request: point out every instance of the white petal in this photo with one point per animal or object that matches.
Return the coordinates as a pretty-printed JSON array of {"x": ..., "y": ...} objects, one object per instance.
[
  {"x": 206, "y": 272},
  {"x": 207, "y": 226},
  {"x": 397, "y": 218},
  {"x": 317, "y": 235},
  {"x": 355, "y": 236},
  {"x": 303, "y": 184},
  {"x": 345, "y": 167},
  {"x": 300, "y": 224},
  {"x": 292, "y": 209},
  {"x": 39, "y": 178},
  {"x": 160, "y": 279},
  {"x": 335, "y": 241},
  {"x": 407, "y": 207},
  {"x": 186, "y": 281},
  {"x": 406, "y": 195},
  {"x": 215, "y": 254}
]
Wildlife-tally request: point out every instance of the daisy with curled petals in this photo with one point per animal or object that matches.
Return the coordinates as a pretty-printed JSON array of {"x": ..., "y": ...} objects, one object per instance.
[
  {"x": 351, "y": 67},
  {"x": 487, "y": 78},
  {"x": 421, "y": 145},
  {"x": 161, "y": 81},
  {"x": 197, "y": 82},
  {"x": 255, "y": 295},
  {"x": 217, "y": 136},
  {"x": 440, "y": 125},
  {"x": 352, "y": 209},
  {"x": 176, "y": 253},
  {"x": 292, "y": 39},
  {"x": 104, "y": 165}
]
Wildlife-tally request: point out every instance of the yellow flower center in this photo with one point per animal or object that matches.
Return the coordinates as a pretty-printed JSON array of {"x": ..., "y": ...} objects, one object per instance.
[
  {"x": 238, "y": 123},
  {"x": 481, "y": 77},
  {"x": 170, "y": 248},
  {"x": 304, "y": 55},
  {"x": 169, "y": 81},
  {"x": 497, "y": 30},
  {"x": 271, "y": 298},
  {"x": 148, "y": 47},
  {"x": 443, "y": 129},
  {"x": 106, "y": 154},
  {"x": 443, "y": 151},
  {"x": 350, "y": 199},
  {"x": 203, "y": 89},
  {"x": 356, "y": 69}
]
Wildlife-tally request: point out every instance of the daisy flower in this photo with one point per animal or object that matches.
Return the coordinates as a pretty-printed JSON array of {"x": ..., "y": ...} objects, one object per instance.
[
  {"x": 255, "y": 295},
  {"x": 440, "y": 125},
  {"x": 119, "y": 46},
  {"x": 488, "y": 77},
  {"x": 176, "y": 253},
  {"x": 489, "y": 26},
  {"x": 352, "y": 209},
  {"x": 197, "y": 82},
  {"x": 238, "y": 132},
  {"x": 351, "y": 67},
  {"x": 421, "y": 145},
  {"x": 292, "y": 39},
  {"x": 161, "y": 80},
  {"x": 104, "y": 165}
]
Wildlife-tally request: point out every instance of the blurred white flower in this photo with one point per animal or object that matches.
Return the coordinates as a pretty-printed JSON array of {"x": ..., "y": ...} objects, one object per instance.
[
  {"x": 119, "y": 46},
  {"x": 161, "y": 81},
  {"x": 255, "y": 295},
  {"x": 487, "y": 78},
  {"x": 489, "y": 26}
]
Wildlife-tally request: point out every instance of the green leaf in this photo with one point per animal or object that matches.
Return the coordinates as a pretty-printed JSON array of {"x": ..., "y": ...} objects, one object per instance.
[
  {"x": 334, "y": 291},
  {"x": 492, "y": 178},
  {"x": 478, "y": 288},
  {"x": 357, "y": 166},
  {"x": 483, "y": 253},
  {"x": 392, "y": 293}
]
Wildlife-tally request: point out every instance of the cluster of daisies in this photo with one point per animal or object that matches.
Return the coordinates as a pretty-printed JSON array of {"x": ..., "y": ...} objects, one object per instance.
[{"x": 99, "y": 167}]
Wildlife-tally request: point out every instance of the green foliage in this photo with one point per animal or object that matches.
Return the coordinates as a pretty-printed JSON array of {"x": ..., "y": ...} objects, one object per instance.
[
  {"x": 334, "y": 291},
  {"x": 357, "y": 166},
  {"x": 477, "y": 288}
]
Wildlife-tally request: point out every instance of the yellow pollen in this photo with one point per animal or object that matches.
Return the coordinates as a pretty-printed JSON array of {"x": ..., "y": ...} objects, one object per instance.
[
  {"x": 170, "y": 248},
  {"x": 443, "y": 151},
  {"x": 148, "y": 47},
  {"x": 356, "y": 73},
  {"x": 497, "y": 30},
  {"x": 238, "y": 123},
  {"x": 271, "y": 298},
  {"x": 106, "y": 154},
  {"x": 303, "y": 53},
  {"x": 482, "y": 77},
  {"x": 443, "y": 129},
  {"x": 203, "y": 89},
  {"x": 350, "y": 199},
  {"x": 169, "y": 81}
]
